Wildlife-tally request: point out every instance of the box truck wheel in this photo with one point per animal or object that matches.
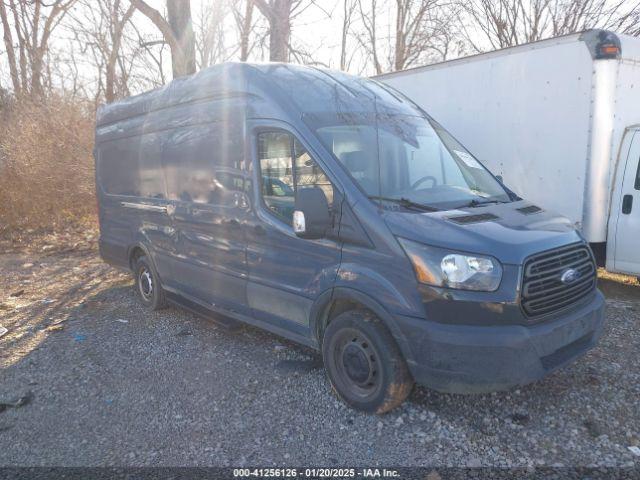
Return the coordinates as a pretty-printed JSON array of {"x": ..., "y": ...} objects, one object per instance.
[
  {"x": 148, "y": 284},
  {"x": 364, "y": 364}
]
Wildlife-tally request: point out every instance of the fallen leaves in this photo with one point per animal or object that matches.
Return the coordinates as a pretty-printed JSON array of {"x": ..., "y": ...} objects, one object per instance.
[{"x": 54, "y": 328}]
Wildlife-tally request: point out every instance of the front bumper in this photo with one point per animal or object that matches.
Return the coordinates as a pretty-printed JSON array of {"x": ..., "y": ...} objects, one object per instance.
[{"x": 480, "y": 359}]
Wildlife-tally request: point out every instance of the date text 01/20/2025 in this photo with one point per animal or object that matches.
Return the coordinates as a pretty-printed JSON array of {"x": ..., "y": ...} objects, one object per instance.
[{"x": 315, "y": 472}]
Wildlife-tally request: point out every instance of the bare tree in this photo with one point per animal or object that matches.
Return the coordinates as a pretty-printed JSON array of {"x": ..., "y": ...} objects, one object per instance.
[
  {"x": 279, "y": 14},
  {"x": 244, "y": 19},
  {"x": 630, "y": 23},
  {"x": 422, "y": 32},
  {"x": 149, "y": 60},
  {"x": 211, "y": 33},
  {"x": 99, "y": 27},
  {"x": 419, "y": 25},
  {"x": 66, "y": 73},
  {"x": 33, "y": 23},
  {"x": 348, "y": 9},
  {"x": 506, "y": 23},
  {"x": 177, "y": 31},
  {"x": 8, "y": 43},
  {"x": 117, "y": 21},
  {"x": 369, "y": 41},
  {"x": 569, "y": 16}
]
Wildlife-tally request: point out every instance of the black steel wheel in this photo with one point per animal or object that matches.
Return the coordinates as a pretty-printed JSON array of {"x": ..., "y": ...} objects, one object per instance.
[
  {"x": 364, "y": 364},
  {"x": 147, "y": 284}
]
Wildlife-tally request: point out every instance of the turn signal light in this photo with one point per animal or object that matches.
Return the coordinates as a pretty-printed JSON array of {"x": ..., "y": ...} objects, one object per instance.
[{"x": 609, "y": 50}]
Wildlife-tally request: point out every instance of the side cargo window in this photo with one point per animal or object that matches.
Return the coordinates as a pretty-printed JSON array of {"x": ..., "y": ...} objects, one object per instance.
[
  {"x": 132, "y": 167},
  {"x": 285, "y": 165},
  {"x": 202, "y": 164}
]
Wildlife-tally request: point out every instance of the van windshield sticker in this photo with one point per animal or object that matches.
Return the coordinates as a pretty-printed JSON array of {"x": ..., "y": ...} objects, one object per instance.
[{"x": 468, "y": 159}]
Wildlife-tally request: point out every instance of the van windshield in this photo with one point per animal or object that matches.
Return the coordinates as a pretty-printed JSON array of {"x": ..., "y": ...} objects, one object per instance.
[{"x": 407, "y": 160}]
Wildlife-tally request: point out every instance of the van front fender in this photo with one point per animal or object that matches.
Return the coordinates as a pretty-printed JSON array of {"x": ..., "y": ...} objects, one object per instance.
[
  {"x": 352, "y": 298},
  {"x": 396, "y": 289}
]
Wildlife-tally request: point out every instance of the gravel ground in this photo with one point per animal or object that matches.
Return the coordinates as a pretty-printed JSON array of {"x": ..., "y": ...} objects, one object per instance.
[{"x": 88, "y": 378}]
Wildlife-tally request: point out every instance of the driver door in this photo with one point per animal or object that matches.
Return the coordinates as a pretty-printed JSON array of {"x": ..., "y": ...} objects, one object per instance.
[{"x": 286, "y": 273}]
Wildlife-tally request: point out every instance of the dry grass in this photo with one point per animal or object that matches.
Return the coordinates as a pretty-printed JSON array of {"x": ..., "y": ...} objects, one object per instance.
[
  {"x": 46, "y": 166},
  {"x": 618, "y": 285}
]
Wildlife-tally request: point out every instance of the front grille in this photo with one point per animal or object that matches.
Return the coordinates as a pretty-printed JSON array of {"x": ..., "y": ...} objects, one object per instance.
[{"x": 544, "y": 292}]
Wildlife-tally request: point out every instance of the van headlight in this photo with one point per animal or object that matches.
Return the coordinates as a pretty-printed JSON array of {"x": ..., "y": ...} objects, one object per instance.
[{"x": 445, "y": 268}]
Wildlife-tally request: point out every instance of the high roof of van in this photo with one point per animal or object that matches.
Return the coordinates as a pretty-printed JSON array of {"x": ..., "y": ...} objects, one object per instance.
[{"x": 293, "y": 89}]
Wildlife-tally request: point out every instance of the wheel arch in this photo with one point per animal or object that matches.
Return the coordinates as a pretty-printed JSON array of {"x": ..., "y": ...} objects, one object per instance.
[
  {"x": 341, "y": 299},
  {"x": 136, "y": 251}
]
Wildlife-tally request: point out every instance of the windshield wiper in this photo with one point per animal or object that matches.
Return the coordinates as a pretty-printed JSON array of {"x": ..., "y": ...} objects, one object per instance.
[
  {"x": 405, "y": 202},
  {"x": 477, "y": 203}
]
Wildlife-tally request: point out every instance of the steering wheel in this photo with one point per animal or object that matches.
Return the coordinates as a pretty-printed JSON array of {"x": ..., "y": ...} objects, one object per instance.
[{"x": 422, "y": 180}]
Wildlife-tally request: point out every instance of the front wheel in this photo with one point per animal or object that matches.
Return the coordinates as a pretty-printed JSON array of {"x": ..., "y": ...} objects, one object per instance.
[{"x": 364, "y": 364}]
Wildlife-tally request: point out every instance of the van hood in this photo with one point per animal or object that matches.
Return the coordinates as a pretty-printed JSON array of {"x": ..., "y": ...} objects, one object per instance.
[{"x": 503, "y": 231}]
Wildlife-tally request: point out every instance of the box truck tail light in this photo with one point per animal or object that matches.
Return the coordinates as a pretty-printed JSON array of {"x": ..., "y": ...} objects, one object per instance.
[
  {"x": 605, "y": 45},
  {"x": 609, "y": 50},
  {"x": 602, "y": 44}
]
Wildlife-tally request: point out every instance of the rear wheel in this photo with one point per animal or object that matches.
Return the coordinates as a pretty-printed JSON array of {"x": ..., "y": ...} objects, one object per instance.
[
  {"x": 364, "y": 364},
  {"x": 147, "y": 284}
]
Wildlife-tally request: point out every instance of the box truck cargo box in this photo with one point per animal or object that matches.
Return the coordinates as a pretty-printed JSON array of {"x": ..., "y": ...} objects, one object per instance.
[{"x": 558, "y": 120}]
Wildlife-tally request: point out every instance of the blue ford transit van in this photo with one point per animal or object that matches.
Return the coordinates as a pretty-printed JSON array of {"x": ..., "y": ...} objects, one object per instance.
[{"x": 332, "y": 211}]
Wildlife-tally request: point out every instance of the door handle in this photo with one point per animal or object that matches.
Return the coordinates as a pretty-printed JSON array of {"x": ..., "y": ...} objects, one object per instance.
[
  {"x": 260, "y": 230},
  {"x": 627, "y": 204},
  {"x": 144, "y": 206},
  {"x": 232, "y": 223}
]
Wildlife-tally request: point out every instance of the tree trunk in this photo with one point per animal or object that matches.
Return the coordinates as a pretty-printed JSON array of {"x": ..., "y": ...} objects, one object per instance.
[
  {"x": 112, "y": 60},
  {"x": 245, "y": 31},
  {"x": 184, "y": 58},
  {"x": 400, "y": 48},
  {"x": 22, "y": 45},
  {"x": 36, "y": 73},
  {"x": 347, "y": 12},
  {"x": 177, "y": 32},
  {"x": 278, "y": 14},
  {"x": 8, "y": 43},
  {"x": 280, "y": 31}
]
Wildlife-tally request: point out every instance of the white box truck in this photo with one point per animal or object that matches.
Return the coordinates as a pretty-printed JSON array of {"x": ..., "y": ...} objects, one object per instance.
[{"x": 559, "y": 120}]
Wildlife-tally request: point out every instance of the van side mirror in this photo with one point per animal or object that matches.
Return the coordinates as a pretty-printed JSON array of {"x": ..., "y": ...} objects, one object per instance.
[{"x": 311, "y": 218}]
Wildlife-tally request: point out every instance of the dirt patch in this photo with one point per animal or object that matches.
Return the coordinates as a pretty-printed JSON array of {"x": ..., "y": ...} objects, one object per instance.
[{"x": 79, "y": 235}]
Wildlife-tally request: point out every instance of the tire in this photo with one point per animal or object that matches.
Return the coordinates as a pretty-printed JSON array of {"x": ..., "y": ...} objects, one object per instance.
[
  {"x": 147, "y": 284},
  {"x": 364, "y": 364}
]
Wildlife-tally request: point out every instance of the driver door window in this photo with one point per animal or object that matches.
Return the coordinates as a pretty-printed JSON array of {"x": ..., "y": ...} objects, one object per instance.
[{"x": 285, "y": 165}]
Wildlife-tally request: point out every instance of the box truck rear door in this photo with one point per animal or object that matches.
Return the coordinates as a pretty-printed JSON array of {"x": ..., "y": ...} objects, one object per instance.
[{"x": 627, "y": 253}]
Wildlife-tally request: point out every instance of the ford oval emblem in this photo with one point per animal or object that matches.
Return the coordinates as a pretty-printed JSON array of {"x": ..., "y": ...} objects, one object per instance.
[{"x": 569, "y": 276}]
